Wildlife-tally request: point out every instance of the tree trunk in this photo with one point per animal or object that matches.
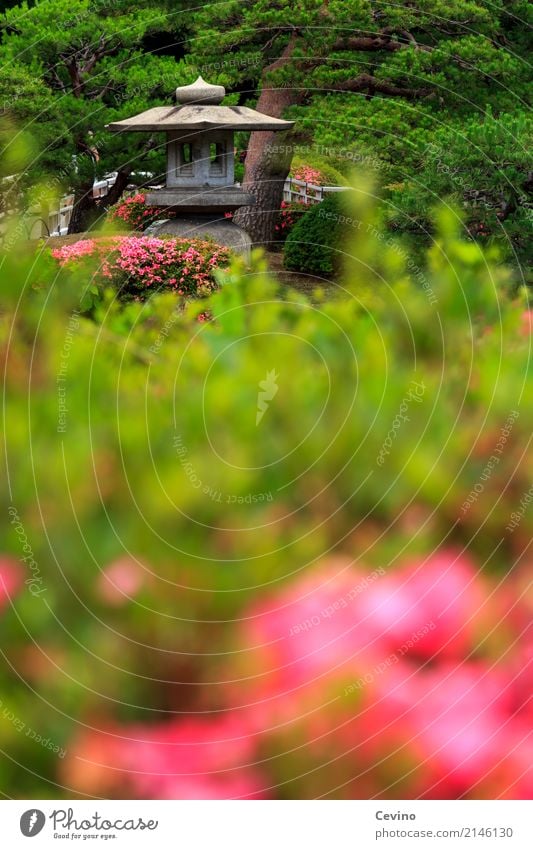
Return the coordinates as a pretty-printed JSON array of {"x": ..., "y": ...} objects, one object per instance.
[
  {"x": 268, "y": 160},
  {"x": 84, "y": 209},
  {"x": 119, "y": 186},
  {"x": 124, "y": 173}
]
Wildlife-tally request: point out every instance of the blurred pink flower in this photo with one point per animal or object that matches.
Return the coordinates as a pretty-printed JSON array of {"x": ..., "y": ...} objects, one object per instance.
[
  {"x": 338, "y": 622},
  {"x": 189, "y": 758},
  {"x": 386, "y": 673},
  {"x": 463, "y": 718},
  {"x": 121, "y": 581},
  {"x": 526, "y": 327},
  {"x": 11, "y": 579},
  {"x": 302, "y": 641},
  {"x": 443, "y": 591}
]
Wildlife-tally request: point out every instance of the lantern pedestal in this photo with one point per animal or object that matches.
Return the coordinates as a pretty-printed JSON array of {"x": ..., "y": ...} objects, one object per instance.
[
  {"x": 201, "y": 200},
  {"x": 222, "y": 230}
]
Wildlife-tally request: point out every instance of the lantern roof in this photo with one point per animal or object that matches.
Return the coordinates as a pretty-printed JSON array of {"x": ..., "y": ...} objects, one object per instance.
[{"x": 199, "y": 108}]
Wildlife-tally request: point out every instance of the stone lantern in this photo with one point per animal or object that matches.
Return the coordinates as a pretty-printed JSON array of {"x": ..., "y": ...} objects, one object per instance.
[{"x": 200, "y": 185}]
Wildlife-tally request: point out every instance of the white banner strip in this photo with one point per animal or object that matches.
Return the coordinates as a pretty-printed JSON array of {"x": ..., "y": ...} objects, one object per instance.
[{"x": 268, "y": 825}]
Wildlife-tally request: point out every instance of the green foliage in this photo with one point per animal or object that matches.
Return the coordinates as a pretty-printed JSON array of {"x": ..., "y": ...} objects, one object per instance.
[
  {"x": 436, "y": 77},
  {"x": 131, "y": 430},
  {"x": 385, "y": 82},
  {"x": 65, "y": 72},
  {"x": 382, "y": 135},
  {"x": 483, "y": 166}
]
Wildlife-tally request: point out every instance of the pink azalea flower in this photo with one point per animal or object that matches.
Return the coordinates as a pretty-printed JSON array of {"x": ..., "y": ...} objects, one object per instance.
[
  {"x": 150, "y": 260},
  {"x": 462, "y": 719},
  {"x": 443, "y": 590}
]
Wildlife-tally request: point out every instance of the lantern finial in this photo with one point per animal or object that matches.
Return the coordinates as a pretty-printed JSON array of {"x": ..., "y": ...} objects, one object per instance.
[{"x": 201, "y": 93}]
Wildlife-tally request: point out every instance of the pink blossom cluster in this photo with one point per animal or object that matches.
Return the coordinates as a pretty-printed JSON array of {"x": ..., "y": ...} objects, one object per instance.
[
  {"x": 309, "y": 175},
  {"x": 134, "y": 212},
  {"x": 136, "y": 263},
  {"x": 193, "y": 758},
  {"x": 402, "y": 684},
  {"x": 85, "y": 247},
  {"x": 289, "y": 215},
  {"x": 429, "y": 668}
]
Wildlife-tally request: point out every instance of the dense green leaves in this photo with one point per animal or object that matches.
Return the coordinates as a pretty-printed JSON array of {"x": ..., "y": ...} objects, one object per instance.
[
  {"x": 382, "y": 84},
  {"x": 484, "y": 166},
  {"x": 66, "y": 71},
  {"x": 378, "y": 83}
]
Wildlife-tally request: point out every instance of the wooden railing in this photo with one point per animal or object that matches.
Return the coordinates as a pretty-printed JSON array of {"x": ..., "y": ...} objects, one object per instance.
[
  {"x": 301, "y": 192},
  {"x": 293, "y": 190},
  {"x": 59, "y": 219}
]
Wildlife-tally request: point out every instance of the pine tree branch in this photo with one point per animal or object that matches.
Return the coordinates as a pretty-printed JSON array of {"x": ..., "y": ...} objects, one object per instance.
[
  {"x": 123, "y": 175},
  {"x": 283, "y": 59},
  {"x": 95, "y": 57},
  {"x": 382, "y": 40},
  {"x": 371, "y": 85}
]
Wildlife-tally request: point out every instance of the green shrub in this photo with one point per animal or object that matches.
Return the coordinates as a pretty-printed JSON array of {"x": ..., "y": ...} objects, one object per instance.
[
  {"x": 483, "y": 166},
  {"x": 313, "y": 245}
]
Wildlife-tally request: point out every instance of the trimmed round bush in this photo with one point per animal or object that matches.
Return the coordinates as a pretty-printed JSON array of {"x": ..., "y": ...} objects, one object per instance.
[{"x": 311, "y": 246}]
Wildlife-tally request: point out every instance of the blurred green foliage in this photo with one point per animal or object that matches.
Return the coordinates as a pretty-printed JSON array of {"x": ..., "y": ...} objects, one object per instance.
[{"x": 134, "y": 433}]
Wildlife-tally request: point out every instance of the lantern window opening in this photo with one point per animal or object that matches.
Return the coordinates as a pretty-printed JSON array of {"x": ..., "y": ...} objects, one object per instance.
[
  {"x": 185, "y": 158},
  {"x": 217, "y": 158}
]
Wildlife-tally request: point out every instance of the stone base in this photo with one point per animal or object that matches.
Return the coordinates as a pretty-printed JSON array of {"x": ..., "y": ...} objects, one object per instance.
[{"x": 221, "y": 230}]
